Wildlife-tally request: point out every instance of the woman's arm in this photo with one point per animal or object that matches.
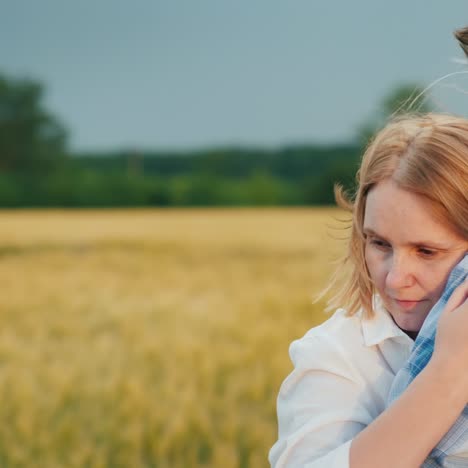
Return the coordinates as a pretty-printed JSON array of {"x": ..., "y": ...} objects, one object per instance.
[
  {"x": 321, "y": 407},
  {"x": 406, "y": 432}
]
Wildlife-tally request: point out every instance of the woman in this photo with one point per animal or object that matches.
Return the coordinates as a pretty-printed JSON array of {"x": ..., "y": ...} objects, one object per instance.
[{"x": 409, "y": 230}]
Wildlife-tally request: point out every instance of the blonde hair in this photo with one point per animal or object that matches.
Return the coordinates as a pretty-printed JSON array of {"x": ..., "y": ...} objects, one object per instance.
[{"x": 426, "y": 155}]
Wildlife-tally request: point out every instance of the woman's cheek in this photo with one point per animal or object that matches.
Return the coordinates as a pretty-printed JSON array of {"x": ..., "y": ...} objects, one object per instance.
[
  {"x": 370, "y": 256},
  {"x": 374, "y": 264}
]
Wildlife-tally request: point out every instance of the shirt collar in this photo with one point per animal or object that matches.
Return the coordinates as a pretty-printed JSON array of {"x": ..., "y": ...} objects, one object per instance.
[{"x": 381, "y": 326}]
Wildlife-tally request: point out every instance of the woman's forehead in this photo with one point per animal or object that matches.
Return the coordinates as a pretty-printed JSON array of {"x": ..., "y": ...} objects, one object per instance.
[{"x": 410, "y": 218}]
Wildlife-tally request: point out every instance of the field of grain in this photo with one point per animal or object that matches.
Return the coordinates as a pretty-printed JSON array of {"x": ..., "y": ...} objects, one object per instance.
[{"x": 153, "y": 338}]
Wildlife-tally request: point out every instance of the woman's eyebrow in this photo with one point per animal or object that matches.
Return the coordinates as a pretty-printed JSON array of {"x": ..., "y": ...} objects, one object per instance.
[
  {"x": 419, "y": 243},
  {"x": 370, "y": 231}
]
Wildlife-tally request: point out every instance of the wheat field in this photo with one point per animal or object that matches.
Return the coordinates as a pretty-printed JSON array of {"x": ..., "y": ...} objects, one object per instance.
[{"x": 153, "y": 338}]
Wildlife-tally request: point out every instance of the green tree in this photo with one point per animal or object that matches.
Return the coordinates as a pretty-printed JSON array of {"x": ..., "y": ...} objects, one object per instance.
[
  {"x": 406, "y": 98},
  {"x": 31, "y": 138}
]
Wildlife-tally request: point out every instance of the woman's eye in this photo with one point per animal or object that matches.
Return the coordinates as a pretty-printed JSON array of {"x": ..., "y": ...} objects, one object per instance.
[
  {"x": 427, "y": 252},
  {"x": 380, "y": 243}
]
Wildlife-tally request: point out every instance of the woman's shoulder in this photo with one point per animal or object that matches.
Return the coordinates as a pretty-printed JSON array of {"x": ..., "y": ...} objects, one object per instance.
[
  {"x": 340, "y": 330},
  {"x": 333, "y": 344},
  {"x": 339, "y": 324}
]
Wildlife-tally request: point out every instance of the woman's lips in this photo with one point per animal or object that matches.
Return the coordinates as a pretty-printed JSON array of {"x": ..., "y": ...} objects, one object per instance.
[{"x": 407, "y": 304}]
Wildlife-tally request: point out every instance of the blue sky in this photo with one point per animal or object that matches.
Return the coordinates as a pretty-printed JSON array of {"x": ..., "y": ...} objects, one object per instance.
[{"x": 190, "y": 74}]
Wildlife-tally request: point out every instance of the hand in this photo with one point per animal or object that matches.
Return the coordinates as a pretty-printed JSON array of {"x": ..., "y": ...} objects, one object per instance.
[{"x": 451, "y": 342}]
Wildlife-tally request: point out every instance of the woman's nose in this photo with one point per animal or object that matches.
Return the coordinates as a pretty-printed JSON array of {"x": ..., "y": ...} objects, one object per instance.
[{"x": 399, "y": 274}]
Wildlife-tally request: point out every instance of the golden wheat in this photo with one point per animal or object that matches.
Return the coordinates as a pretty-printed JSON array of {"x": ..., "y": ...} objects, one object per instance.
[{"x": 152, "y": 338}]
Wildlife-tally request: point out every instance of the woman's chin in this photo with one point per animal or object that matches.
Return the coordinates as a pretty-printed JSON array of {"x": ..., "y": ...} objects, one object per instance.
[
  {"x": 409, "y": 321},
  {"x": 410, "y": 317}
]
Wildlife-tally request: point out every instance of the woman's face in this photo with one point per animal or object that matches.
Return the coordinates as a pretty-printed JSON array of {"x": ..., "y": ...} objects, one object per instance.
[{"x": 408, "y": 252}]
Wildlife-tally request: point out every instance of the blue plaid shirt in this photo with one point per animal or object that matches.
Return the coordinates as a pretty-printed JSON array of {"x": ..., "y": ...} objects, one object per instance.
[{"x": 447, "y": 452}]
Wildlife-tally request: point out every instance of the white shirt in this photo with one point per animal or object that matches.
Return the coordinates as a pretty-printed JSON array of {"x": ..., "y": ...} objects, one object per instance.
[{"x": 342, "y": 374}]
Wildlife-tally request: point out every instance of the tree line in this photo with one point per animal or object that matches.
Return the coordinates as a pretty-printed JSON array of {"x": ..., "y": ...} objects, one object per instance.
[{"x": 38, "y": 170}]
